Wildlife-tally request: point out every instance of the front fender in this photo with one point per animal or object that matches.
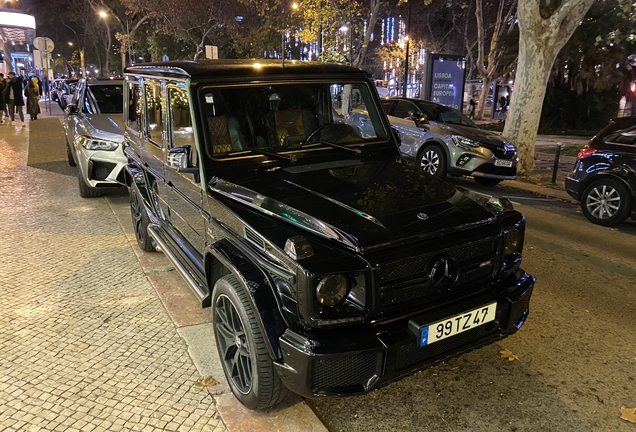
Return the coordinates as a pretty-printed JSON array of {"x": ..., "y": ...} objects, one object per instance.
[{"x": 257, "y": 283}]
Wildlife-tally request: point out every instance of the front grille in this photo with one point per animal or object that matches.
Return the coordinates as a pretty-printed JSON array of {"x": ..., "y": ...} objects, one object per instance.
[
  {"x": 406, "y": 283},
  {"x": 411, "y": 353},
  {"x": 344, "y": 371},
  {"x": 502, "y": 152},
  {"x": 101, "y": 170}
]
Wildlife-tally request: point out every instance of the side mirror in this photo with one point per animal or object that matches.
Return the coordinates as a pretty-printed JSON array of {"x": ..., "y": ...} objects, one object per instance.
[
  {"x": 419, "y": 118},
  {"x": 179, "y": 159},
  {"x": 71, "y": 109}
]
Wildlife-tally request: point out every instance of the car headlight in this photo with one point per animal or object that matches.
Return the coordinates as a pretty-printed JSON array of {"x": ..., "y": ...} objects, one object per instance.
[
  {"x": 332, "y": 289},
  {"x": 464, "y": 142},
  {"x": 97, "y": 144},
  {"x": 513, "y": 247}
]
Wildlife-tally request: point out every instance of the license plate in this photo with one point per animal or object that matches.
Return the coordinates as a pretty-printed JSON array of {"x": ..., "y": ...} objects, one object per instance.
[
  {"x": 503, "y": 163},
  {"x": 457, "y": 324}
]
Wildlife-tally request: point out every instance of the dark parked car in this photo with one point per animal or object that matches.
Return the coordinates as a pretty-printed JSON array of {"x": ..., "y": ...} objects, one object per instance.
[
  {"x": 330, "y": 265},
  {"x": 604, "y": 178},
  {"x": 442, "y": 140}
]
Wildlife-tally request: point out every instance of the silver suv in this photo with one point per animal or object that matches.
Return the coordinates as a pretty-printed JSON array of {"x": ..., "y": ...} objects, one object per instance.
[
  {"x": 94, "y": 136},
  {"x": 442, "y": 140}
]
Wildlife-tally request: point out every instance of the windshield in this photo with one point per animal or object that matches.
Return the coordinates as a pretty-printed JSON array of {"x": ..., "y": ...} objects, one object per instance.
[
  {"x": 275, "y": 117},
  {"x": 104, "y": 99},
  {"x": 444, "y": 114}
]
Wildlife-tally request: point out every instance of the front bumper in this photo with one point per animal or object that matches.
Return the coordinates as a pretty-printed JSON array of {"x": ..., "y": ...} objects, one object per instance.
[
  {"x": 101, "y": 168},
  {"x": 366, "y": 357},
  {"x": 482, "y": 162}
]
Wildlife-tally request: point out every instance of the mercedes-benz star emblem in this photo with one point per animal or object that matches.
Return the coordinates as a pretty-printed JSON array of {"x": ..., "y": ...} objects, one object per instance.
[
  {"x": 444, "y": 274},
  {"x": 422, "y": 216}
]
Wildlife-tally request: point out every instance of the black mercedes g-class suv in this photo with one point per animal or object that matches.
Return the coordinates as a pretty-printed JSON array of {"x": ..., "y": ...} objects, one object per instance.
[{"x": 330, "y": 265}]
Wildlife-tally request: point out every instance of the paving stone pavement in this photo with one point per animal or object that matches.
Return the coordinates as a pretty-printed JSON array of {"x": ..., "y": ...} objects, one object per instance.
[{"x": 85, "y": 343}]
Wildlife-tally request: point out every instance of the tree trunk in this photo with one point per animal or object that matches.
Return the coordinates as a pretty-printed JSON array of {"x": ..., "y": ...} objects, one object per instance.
[
  {"x": 82, "y": 62},
  {"x": 364, "y": 44},
  {"x": 483, "y": 97},
  {"x": 533, "y": 71},
  {"x": 540, "y": 40}
]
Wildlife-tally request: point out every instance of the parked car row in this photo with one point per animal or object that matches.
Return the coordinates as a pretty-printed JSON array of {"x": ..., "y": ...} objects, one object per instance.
[{"x": 331, "y": 264}]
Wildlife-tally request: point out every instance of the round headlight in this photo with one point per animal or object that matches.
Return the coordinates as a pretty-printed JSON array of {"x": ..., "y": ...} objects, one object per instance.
[
  {"x": 512, "y": 240},
  {"x": 332, "y": 289}
]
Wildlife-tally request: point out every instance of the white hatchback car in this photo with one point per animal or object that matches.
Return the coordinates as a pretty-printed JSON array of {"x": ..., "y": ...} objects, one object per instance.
[{"x": 94, "y": 135}]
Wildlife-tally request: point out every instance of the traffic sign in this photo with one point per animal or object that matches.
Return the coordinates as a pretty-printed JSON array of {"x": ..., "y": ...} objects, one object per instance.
[{"x": 44, "y": 44}]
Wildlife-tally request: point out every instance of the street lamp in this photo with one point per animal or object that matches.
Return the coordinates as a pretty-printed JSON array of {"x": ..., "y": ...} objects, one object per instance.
[{"x": 103, "y": 14}]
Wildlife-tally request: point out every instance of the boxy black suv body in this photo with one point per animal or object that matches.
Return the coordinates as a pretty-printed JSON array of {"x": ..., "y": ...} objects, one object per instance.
[{"x": 331, "y": 265}]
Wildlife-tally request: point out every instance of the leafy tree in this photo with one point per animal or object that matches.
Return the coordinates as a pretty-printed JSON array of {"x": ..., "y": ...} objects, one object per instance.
[
  {"x": 490, "y": 55},
  {"x": 592, "y": 71},
  {"x": 130, "y": 15}
]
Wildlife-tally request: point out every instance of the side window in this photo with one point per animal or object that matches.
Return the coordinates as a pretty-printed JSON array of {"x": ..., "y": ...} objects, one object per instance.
[
  {"x": 403, "y": 109},
  {"x": 154, "y": 112},
  {"x": 386, "y": 107},
  {"x": 134, "y": 106},
  {"x": 182, "y": 133}
]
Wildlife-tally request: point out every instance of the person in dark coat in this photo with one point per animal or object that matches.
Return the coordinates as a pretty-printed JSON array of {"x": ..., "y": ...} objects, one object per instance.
[
  {"x": 3, "y": 105},
  {"x": 32, "y": 93},
  {"x": 13, "y": 97}
]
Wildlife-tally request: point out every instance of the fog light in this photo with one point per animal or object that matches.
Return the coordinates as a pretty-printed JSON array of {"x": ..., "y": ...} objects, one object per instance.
[
  {"x": 332, "y": 289},
  {"x": 463, "y": 159}
]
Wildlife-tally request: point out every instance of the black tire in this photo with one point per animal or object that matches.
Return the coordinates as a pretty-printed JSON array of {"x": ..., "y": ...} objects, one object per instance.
[
  {"x": 85, "y": 190},
  {"x": 140, "y": 221},
  {"x": 606, "y": 202},
  {"x": 484, "y": 181},
  {"x": 432, "y": 160},
  {"x": 248, "y": 367},
  {"x": 69, "y": 155}
]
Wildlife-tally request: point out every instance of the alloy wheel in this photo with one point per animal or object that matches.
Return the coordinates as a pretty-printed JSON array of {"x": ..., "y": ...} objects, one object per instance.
[
  {"x": 430, "y": 162},
  {"x": 603, "y": 201},
  {"x": 137, "y": 217},
  {"x": 232, "y": 340}
]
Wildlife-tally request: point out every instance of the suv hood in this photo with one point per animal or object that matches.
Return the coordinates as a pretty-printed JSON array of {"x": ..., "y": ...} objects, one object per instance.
[
  {"x": 103, "y": 126},
  {"x": 364, "y": 206},
  {"x": 483, "y": 136}
]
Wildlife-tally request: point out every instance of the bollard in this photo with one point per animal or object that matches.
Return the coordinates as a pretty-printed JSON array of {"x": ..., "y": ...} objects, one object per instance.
[{"x": 557, "y": 154}]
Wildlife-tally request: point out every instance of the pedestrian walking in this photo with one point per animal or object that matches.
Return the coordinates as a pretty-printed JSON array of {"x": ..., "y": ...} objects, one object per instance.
[
  {"x": 473, "y": 105},
  {"x": 503, "y": 106},
  {"x": 32, "y": 93},
  {"x": 3, "y": 105},
  {"x": 13, "y": 97}
]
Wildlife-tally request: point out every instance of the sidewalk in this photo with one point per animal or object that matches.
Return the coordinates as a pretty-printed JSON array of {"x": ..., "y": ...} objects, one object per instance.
[{"x": 98, "y": 335}]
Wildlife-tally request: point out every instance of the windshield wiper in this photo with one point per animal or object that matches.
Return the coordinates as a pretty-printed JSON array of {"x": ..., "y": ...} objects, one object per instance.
[
  {"x": 334, "y": 145},
  {"x": 273, "y": 155}
]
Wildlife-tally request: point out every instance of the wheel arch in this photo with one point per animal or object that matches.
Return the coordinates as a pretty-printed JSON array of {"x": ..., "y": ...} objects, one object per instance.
[
  {"x": 222, "y": 258},
  {"x": 603, "y": 175},
  {"x": 433, "y": 141}
]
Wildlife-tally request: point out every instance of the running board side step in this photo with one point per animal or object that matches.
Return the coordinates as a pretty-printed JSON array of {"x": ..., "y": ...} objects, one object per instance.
[{"x": 198, "y": 291}]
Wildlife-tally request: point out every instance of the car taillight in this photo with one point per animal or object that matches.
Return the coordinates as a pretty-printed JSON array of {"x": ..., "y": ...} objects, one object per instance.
[{"x": 585, "y": 152}]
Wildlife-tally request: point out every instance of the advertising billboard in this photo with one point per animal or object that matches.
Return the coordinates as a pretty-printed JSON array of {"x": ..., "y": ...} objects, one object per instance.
[{"x": 445, "y": 80}]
